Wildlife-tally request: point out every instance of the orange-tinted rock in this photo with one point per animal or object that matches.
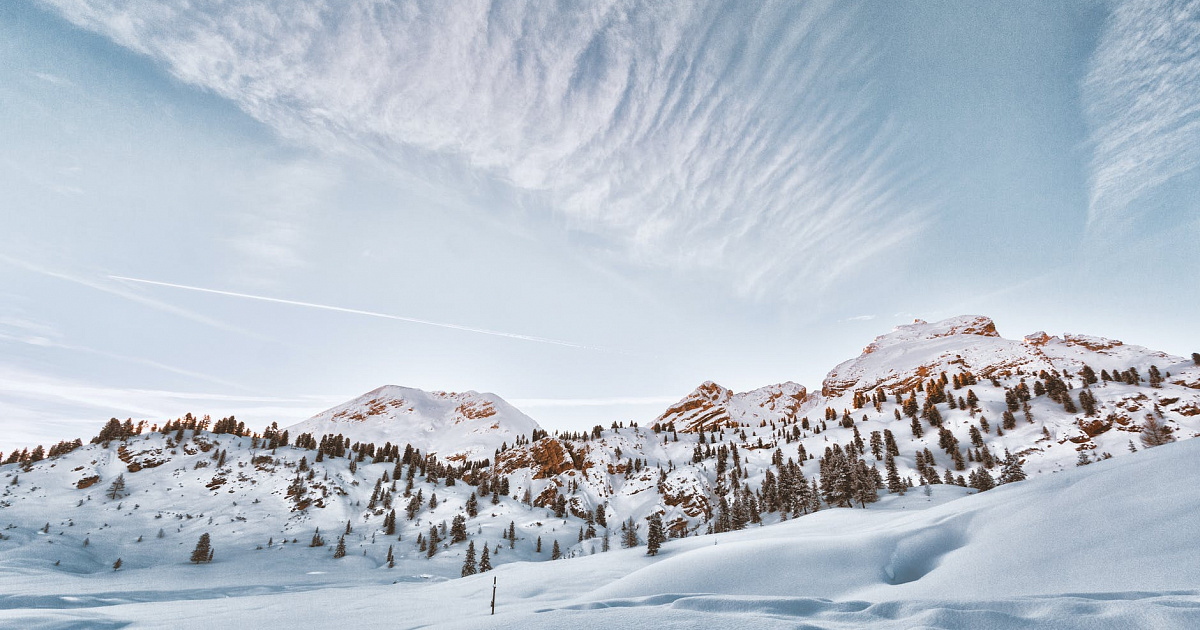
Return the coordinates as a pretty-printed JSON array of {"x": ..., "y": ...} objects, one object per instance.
[{"x": 1095, "y": 427}]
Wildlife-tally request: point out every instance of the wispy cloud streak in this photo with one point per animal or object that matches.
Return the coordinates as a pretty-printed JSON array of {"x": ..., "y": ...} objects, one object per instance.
[
  {"x": 743, "y": 138},
  {"x": 128, "y": 295},
  {"x": 354, "y": 311},
  {"x": 1142, "y": 95}
]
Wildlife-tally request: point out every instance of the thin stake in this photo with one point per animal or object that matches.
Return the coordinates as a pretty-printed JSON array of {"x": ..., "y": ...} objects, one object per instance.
[{"x": 493, "y": 594}]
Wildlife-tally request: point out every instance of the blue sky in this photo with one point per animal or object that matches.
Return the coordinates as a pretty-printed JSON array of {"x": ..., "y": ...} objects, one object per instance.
[{"x": 587, "y": 209}]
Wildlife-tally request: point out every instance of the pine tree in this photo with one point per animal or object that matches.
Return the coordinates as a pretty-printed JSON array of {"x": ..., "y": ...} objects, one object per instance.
[
  {"x": 458, "y": 529},
  {"x": 1083, "y": 459},
  {"x": 1012, "y": 470},
  {"x": 203, "y": 550},
  {"x": 472, "y": 506},
  {"x": 894, "y": 483},
  {"x": 391, "y": 558},
  {"x": 654, "y": 534},
  {"x": 117, "y": 489},
  {"x": 485, "y": 561},
  {"x": 555, "y": 553},
  {"x": 117, "y": 564},
  {"x": 434, "y": 539},
  {"x": 1154, "y": 433},
  {"x": 340, "y": 552},
  {"x": 539, "y": 545},
  {"x": 468, "y": 567},
  {"x": 629, "y": 537}
]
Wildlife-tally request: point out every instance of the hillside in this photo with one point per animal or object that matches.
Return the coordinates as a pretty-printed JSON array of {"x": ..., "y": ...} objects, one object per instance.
[
  {"x": 1109, "y": 546},
  {"x": 948, "y": 405}
]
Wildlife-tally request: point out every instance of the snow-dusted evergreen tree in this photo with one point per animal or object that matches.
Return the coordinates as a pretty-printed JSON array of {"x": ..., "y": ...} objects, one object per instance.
[
  {"x": 629, "y": 536},
  {"x": 555, "y": 552},
  {"x": 894, "y": 483},
  {"x": 468, "y": 567},
  {"x": 485, "y": 560},
  {"x": 458, "y": 529},
  {"x": 1155, "y": 433},
  {"x": 1011, "y": 470},
  {"x": 116, "y": 489},
  {"x": 433, "y": 539},
  {"x": 340, "y": 551},
  {"x": 654, "y": 534},
  {"x": 203, "y": 550}
]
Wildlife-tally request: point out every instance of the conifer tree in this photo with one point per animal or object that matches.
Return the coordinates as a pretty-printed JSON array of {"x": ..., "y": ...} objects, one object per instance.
[
  {"x": 117, "y": 564},
  {"x": 629, "y": 537},
  {"x": 117, "y": 489},
  {"x": 468, "y": 567},
  {"x": 458, "y": 529},
  {"x": 485, "y": 561},
  {"x": 203, "y": 550},
  {"x": 391, "y": 558},
  {"x": 1155, "y": 433},
  {"x": 340, "y": 552},
  {"x": 894, "y": 483},
  {"x": 1012, "y": 470},
  {"x": 555, "y": 553},
  {"x": 472, "y": 506},
  {"x": 434, "y": 539},
  {"x": 654, "y": 534}
]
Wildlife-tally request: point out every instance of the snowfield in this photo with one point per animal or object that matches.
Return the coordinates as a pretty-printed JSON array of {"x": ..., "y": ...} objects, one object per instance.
[
  {"x": 895, "y": 497},
  {"x": 1111, "y": 545}
]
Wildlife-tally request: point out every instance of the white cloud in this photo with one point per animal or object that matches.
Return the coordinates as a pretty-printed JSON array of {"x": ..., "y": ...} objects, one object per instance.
[
  {"x": 742, "y": 138},
  {"x": 1142, "y": 95}
]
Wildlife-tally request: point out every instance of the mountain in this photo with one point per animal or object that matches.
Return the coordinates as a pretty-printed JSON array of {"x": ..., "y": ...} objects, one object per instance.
[
  {"x": 453, "y": 426},
  {"x": 1105, "y": 546},
  {"x": 710, "y": 407},
  {"x": 905, "y": 356},
  {"x": 951, "y": 405}
]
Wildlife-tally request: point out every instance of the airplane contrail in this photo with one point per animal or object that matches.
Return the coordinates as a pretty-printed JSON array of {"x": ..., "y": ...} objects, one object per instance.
[{"x": 354, "y": 311}]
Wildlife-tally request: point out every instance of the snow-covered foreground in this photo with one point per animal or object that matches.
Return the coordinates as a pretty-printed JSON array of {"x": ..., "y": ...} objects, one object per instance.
[{"x": 1111, "y": 545}]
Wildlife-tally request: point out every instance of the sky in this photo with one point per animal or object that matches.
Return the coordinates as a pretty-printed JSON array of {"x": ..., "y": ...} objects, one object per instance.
[{"x": 265, "y": 208}]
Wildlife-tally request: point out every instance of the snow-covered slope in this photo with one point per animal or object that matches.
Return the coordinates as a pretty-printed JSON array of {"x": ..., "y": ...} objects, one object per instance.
[
  {"x": 1107, "y": 546},
  {"x": 451, "y": 425},
  {"x": 944, "y": 403}
]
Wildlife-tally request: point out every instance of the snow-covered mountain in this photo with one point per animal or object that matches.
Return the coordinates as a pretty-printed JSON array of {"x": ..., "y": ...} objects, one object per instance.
[
  {"x": 712, "y": 407},
  {"x": 453, "y": 426},
  {"x": 949, "y": 404}
]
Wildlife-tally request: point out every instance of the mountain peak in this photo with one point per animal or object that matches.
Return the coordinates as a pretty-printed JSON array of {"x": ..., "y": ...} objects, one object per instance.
[{"x": 467, "y": 424}]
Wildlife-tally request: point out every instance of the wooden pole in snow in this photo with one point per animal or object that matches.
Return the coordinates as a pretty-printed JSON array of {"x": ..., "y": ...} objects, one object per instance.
[{"x": 493, "y": 594}]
